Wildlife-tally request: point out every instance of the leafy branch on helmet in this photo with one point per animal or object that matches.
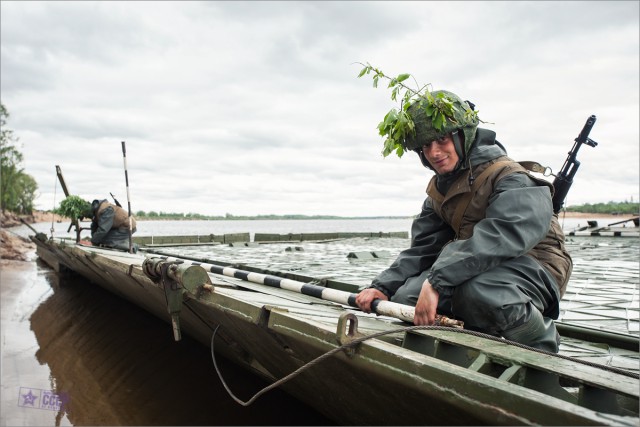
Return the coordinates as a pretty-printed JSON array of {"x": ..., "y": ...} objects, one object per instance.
[
  {"x": 74, "y": 207},
  {"x": 398, "y": 125}
]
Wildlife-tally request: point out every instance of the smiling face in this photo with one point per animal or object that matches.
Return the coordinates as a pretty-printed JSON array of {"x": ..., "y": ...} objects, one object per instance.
[{"x": 441, "y": 154}]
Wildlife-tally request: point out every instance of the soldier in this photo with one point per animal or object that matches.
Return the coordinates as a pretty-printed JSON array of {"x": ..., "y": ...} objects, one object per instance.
[
  {"x": 110, "y": 226},
  {"x": 486, "y": 248}
]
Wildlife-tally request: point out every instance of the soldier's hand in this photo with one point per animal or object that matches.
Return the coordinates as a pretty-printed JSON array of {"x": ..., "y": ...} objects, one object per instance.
[
  {"x": 425, "y": 313},
  {"x": 366, "y": 297}
]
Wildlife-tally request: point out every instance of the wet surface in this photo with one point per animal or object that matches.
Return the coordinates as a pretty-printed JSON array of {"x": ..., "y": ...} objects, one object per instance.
[
  {"x": 603, "y": 289},
  {"x": 602, "y": 292},
  {"x": 114, "y": 364},
  {"x": 118, "y": 365}
]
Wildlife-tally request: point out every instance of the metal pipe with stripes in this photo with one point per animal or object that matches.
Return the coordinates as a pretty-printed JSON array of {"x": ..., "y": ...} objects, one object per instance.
[{"x": 381, "y": 307}]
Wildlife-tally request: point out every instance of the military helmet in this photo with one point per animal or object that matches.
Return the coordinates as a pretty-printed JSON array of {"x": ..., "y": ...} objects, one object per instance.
[
  {"x": 88, "y": 211},
  {"x": 463, "y": 118},
  {"x": 94, "y": 206}
]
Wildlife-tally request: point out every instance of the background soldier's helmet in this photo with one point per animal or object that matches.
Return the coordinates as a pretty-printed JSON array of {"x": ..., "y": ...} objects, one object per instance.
[
  {"x": 463, "y": 119},
  {"x": 88, "y": 211},
  {"x": 94, "y": 206}
]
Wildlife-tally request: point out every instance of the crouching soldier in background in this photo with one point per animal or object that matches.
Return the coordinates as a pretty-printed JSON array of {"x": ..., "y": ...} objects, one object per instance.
[{"x": 110, "y": 226}]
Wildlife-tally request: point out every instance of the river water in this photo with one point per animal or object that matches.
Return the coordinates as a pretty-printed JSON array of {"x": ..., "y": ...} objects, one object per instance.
[
  {"x": 203, "y": 228},
  {"x": 120, "y": 366},
  {"x": 173, "y": 228},
  {"x": 117, "y": 364}
]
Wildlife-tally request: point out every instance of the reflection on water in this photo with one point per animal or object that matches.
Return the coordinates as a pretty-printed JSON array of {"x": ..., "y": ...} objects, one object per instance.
[
  {"x": 24, "y": 287},
  {"x": 118, "y": 365}
]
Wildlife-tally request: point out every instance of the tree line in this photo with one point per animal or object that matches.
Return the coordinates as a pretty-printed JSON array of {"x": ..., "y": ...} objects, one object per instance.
[
  {"x": 17, "y": 189},
  {"x": 615, "y": 208},
  {"x": 153, "y": 215}
]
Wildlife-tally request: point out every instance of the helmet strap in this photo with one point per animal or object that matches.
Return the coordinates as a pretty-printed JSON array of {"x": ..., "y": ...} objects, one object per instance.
[
  {"x": 423, "y": 159},
  {"x": 458, "y": 143}
]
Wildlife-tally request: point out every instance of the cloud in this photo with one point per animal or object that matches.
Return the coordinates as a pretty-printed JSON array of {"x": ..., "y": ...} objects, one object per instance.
[{"x": 254, "y": 107}]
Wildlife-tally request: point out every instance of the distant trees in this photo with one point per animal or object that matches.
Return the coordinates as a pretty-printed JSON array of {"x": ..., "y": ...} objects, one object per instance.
[
  {"x": 17, "y": 189},
  {"x": 618, "y": 208},
  {"x": 153, "y": 215}
]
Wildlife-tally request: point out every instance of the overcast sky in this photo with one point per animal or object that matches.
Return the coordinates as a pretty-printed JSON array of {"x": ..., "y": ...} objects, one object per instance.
[{"x": 255, "y": 107}]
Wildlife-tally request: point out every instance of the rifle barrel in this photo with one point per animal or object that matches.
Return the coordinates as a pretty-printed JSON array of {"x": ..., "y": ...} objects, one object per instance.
[{"x": 586, "y": 130}]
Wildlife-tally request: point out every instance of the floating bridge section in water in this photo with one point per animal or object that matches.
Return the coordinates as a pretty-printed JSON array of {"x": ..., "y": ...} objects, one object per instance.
[
  {"x": 212, "y": 239},
  {"x": 625, "y": 228}
]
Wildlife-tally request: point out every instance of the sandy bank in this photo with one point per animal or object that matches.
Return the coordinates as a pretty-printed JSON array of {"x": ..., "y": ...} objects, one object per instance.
[
  {"x": 17, "y": 248},
  {"x": 10, "y": 219}
]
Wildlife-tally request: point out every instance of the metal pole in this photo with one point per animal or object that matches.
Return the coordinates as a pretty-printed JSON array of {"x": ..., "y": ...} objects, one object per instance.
[
  {"x": 126, "y": 178},
  {"x": 53, "y": 215},
  {"x": 386, "y": 308},
  {"x": 62, "y": 182}
]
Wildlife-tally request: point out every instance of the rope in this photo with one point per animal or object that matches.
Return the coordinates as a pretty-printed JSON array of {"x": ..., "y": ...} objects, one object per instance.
[
  {"x": 24, "y": 239},
  {"x": 403, "y": 329}
]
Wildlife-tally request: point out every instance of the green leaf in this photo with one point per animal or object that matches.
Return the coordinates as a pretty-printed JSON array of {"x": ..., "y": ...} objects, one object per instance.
[
  {"x": 438, "y": 120},
  {"x": 429, "y": 109},
  {"x": 411, "y": 126},
  {"x": 388, "y": 147},
  {"x": 403, "y": 77},
  {"x": 394, "y": 94}
]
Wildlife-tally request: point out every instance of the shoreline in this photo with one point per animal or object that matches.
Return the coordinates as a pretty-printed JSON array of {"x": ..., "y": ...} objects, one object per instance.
[
  {"x": 9, "y": 219},
  {"x": 593, "y": 215},
  {"x": 17, "y": 249}
]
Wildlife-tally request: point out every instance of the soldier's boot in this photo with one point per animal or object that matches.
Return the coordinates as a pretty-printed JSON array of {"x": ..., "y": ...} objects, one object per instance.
[{"x": 538, "y": 332}]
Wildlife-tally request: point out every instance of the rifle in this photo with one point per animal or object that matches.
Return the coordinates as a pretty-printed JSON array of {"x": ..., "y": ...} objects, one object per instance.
[
  {"x": 564, "y": 179},
  {"x": 115, "y": 200}
]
